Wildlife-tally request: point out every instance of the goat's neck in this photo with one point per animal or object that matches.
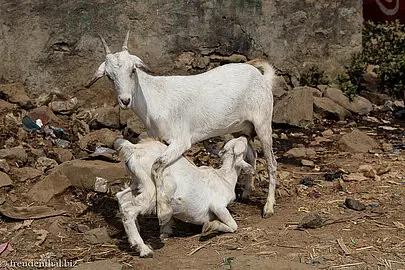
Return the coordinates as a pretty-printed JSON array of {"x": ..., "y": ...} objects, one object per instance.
[{"x": 147, "y": 96}]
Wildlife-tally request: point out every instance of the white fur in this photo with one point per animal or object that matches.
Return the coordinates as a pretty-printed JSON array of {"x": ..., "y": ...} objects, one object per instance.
[
  {"x": 183, "y": 110},
  {"x": 198, "y": 195}
]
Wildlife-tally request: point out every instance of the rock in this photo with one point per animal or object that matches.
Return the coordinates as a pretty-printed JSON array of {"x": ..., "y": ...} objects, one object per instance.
[
  {"x": 15, "y": 154},
  {"x": 311, "y": 221},
  {"x": 295, "y": 108},
  {"x": 83, "y": 174},
  {"x": 357, "y": 142},
  {"x": 130, "y": 119},
  {"x": 355, "y": 177},
  {"x": 300, "y": 152},
  {"x": 15, "y": 93},
  {"x": 315, "y": 92},
  {"x": 185, "y": 59},
  {"x": 30, "y": 212},
  {"x": 354, "y": 204},
  {"x": 280, "y": 87},
  {"x": 51, "y": 185},
  {"x": 64, "y": 106},
  {"x": 309, "y": 182},
  {"x": 322, "y": 87},
  {"x": 46, "y": 163},
  {"x": 83, "y": 228},
  {"x": 368, "y": 171},
  {"x": 104, "y": 137},
  {"x": 283, "y": 136},
  {"x": 100, "y": 265},
  {"x": 25, "y": 173},
  {"x": 107, "y": 117},
  {"x": 62, "y": 155},
  {"x": 4, "y": 166},
  {"x": 327, "y": 133},
  {"x": 47, "y": 117},
  {"x": 98, "y": 236},
  {"x": 307, "y": 163},
  {"x": 329, "y": 109},
  {"x": 5, "y": 180},
  {"x": 399, "y": 104},
  {"x": 359, "y": 105}
]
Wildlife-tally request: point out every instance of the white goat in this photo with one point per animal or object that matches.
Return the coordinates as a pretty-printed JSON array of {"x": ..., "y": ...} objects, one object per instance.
[
  {"x": 183, "y": 110},
  {"x": 198, "y": 195}
]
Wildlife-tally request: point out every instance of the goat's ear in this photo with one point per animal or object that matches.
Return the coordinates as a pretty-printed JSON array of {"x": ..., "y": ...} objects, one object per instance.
[
  {"x": 138, "y": 63},
  {"x": 99, "y": 73},
  {"x": 246, "y": 167}
]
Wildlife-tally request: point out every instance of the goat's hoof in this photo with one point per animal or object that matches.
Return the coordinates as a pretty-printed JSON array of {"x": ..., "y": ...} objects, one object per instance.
[
  {"x": 164, "y": 236},
  {"x": 268, "y": 210},
  {"x": 146, "y": 252}
]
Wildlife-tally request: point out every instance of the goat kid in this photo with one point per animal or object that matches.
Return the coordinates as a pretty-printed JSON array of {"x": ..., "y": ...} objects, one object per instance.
[
  {"x": 198, "y": 195},
  {"x": 183, "y": 110}
]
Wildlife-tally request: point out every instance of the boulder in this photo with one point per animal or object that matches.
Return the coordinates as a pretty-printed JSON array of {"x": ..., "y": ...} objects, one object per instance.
[
  {"x": 84, "y": 174},
  {"x": 358, "y": 105},
  {"x": 103, "y": 137},
  {"x": 107, "y": 117},
  {"x": 25, "y": 173},
  {"x": 15, "y": 93},
  {"x": 357, "y": 142},
  {"x": 329, "y": 109},
  {"x": 295, "y": 108},
  {"x": 315, "y": 92},
  {"x": 5, "y": 180},
  {"x": 15, "y": 154}
]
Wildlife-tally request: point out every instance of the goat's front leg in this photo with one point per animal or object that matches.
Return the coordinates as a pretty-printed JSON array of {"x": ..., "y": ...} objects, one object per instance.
[
  {"x": 166, "y": 230},
  {"x": 226, "y": 223},
  {"x": 130, "y": 211},
  {"x": 172, "y": 153}
]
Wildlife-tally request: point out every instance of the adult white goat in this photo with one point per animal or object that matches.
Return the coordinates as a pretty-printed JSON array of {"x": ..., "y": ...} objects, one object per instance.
[
  {"x": 183, "y": 110},
  {"x": 198, "y": 195}
]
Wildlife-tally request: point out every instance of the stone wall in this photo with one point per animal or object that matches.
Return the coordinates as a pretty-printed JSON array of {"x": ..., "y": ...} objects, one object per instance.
[{"x": 53, "y": 44}]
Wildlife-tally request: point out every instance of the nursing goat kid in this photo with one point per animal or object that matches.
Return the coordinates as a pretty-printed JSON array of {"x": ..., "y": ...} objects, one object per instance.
[
  {"x": 183, "y": 110},
  {"x": 198, "y": 195}
]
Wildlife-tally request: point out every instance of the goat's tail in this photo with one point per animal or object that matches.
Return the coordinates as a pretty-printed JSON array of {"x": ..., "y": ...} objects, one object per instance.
[{"x": 265, "y": 68}]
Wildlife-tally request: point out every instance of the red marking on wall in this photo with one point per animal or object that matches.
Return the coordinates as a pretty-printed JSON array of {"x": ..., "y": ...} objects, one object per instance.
[{"x": 384, "y": 10}]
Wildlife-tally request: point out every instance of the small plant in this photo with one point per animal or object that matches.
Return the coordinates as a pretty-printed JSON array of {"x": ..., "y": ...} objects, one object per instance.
[
  {"x": 313, "y": 77},
  {"x": 383, "y": 47}
]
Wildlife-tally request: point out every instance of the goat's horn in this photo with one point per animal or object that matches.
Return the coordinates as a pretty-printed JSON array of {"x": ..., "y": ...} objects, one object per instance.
[
  {"x": 106, "y": 49},
  {"x": 125, "y": 45}
]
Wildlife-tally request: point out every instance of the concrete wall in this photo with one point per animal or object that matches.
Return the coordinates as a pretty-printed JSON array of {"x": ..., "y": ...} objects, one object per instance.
[{"x": 53, "y": 44}]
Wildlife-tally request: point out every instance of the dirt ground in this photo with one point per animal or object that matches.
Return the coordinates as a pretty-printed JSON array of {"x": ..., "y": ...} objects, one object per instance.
[{"x": 370, "y": 239}]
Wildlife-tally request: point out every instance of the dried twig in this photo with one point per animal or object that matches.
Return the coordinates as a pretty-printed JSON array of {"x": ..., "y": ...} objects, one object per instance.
[
  {"x": 343, "y": 246},
  {"x": 197, "y": 249},
  {"x": 345, "y": 265}
]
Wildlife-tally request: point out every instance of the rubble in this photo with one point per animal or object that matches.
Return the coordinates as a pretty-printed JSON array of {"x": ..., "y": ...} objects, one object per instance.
[
  {"x": 300, "y": 152},
  {"x": 98, "y": 236},
  {"x": 358, "y": 105},
  {"x": 4, "y": 167},
  {"x": 15, "y": 93},
  {"x": 15, "y": 154},
  {"x": 108, "y": 117},
  {"x": 5, "y": 180},
  {"x": 329, "y": 109},
  {"x": 25, "y": 173},
  {"x": 96, "y": 138}
]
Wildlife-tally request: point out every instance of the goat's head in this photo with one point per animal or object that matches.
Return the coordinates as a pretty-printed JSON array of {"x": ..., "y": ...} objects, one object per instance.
[
  {"x": 120, "y": 68},
  {"x": 236, "y": 150}
]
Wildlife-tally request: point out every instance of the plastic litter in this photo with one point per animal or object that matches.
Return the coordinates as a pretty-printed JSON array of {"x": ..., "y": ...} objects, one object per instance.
[{"x": 30, "y": 125}]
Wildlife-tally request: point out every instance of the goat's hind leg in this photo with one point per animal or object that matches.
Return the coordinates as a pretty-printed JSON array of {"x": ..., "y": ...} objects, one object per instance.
[
  {"x": 163, "y": 203},
  {"x": 224, "y": 223},
  {"x": 248, "y": 179},
  {"x": 264, "y": 132},
  {"x": 130, "y": 211}
]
